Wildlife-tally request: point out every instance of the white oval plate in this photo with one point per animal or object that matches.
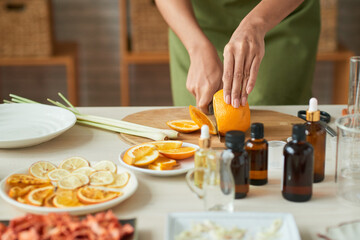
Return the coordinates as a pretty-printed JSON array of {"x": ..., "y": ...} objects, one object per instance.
[
  {"x": 185, "y": 165},
  {"x": 128, "y": 190},
  {"x": 25, "y": 124}
]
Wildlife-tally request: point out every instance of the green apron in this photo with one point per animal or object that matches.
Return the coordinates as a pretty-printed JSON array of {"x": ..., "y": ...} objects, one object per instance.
[{"x": 286, "y": 71}]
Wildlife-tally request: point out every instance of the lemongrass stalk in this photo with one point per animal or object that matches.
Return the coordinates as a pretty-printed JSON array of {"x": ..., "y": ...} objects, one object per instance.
[
  {"x": 172, "y": 134},
  {"x": 157, "y": 136},
  {"x": 22, "y": 99},
  {"x": 62, "y": 106},
  {"x": 67, "y": 102},
  {"x": 7, "y": 101}
]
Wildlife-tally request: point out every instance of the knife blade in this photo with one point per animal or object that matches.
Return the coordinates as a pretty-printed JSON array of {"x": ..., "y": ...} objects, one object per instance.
[{"x": 213, "y": 119}]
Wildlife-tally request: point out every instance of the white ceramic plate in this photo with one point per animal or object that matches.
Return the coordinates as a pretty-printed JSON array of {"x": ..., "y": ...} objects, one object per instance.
[
  {"x": 344, "y": 231},
  {"x": 185, "y": 165},
  {"x": 128, "y": 190},
  {"x": 252, "y": 222},
  {"x": 24, "y": 125}
]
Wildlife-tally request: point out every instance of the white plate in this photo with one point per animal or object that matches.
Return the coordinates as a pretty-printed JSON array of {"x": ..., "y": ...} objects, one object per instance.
[
  {"x": 128, "y": 190},
  {"x": 253, "y": 222},
  {"x": 185, "y": 165},
  {"x": 24, "y": 124}
]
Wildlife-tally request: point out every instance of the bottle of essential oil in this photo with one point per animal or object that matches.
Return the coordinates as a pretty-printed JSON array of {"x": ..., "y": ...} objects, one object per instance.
[
  {"x": 202, "y": 154},
  {"x": 316, "y": 136},
  {"x": 257, "y": 149},
  {"x": 298, "y": 167},
  {"x": 234, "y": 140}
]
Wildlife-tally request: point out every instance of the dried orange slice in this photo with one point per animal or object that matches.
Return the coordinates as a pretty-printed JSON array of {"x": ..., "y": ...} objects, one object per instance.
[
  {"x": 120, "y": 180},
  {"x": 141, "y": 155},
  {"x": 89, "y": 195},
  {"x": 101, "y": 178},
  {"x": 163, "y": 145},
  {"x": 74, "y": 163},
  {"x": 65, "y": 199},
  {"x": 184, "y": 126},
  {"x": 40, "y": 169},
  {"x": 17, "y": 179},
  {"x": 37, "y": 196},
  {"x": 16, "y": 191},
  {"x": 105, "y": 165},
  {"x": 200, "y": 119},
  {"x": 179, "y": 153},
  {"x": 48, "y": 202}
]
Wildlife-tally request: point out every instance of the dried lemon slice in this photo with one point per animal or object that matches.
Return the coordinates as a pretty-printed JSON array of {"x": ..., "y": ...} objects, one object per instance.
[
  {"x": 105, "y": 165},
  {"x": 120, "y": 180},
  {"x": 37, "y": 196},
  {"x": 71, "y": 181},
  {"x": 58, "y": 174},
  {"x": 90, "y": 195},
  {"x": 101, "y": 178},
  {"x": 85, "y": 170},
  {"x": 41, "y": 169},
  {"x": 73, "y": 163}
]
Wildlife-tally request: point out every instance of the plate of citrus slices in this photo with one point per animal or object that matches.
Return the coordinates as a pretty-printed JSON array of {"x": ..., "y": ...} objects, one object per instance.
[
  {"x": 160, "y": 158},
  {"x": 74, "y": 186}
]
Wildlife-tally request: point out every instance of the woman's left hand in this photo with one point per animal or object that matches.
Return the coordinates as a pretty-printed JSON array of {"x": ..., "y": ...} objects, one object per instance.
[{"x": 242, "y": 58}]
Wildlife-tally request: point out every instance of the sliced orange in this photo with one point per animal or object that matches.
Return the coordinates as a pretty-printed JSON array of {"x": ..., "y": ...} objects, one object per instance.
[
  {"x": 163, "y": 145},
  {"x": 25, "y": 179},
  {"x": 17, "y": 191},
  {"x": 89, "y": 195},
  {"x": 48, "y": 202},
  {"x": 65, "y": 199},
  {"x": 184, "y": 126},
  {"x": 200, "y": 119},
  {"x": 40, "y": 169},
  {"x": 141, "y": 155},
  {"x": 163, "y": 163},
  {"x": 179, "y": 153},
  {"x": 37, "y": 196}
]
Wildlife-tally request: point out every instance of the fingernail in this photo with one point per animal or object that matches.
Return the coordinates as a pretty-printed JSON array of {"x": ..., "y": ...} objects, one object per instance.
[
  {"x": 227, "y": 99},
  {"x": 248, "y": 90},
  {"x": 236, "y": 103},
  {"x": 243, "y": 101}
]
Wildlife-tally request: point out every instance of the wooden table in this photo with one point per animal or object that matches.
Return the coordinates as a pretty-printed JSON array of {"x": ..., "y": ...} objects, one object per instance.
[{"x": 156, "y": 196}]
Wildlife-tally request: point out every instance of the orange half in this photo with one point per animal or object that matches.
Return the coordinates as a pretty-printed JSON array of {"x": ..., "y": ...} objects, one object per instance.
[
  {"x": 183, "y": 126},
  {"x": 200, "y": 119}
]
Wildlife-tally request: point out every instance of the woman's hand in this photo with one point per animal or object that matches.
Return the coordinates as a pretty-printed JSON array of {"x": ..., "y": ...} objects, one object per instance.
[
  {"x": 242, "y": 58},
  {"x": 204, "y": 76}
]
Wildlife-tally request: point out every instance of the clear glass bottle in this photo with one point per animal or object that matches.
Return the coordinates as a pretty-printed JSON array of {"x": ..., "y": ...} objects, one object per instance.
[
  {"x": 240, "y": 168},
  {"x": 257, "y": 149},
  {"x": 316, "y": 136},
  {"x": 298, "y": 167},
  {"x": 202, "y": 155}
]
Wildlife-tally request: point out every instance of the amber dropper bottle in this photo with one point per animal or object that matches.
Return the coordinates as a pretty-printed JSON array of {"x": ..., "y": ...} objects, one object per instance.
[
  {"x": 257, "y": 149},
  {"x": 234, "y": 140},
  {"x": 298, "y": 167},
  {"x": 316, "y": 136}
]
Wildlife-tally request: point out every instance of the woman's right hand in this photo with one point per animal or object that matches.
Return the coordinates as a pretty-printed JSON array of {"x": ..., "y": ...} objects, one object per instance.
[{"x": 204, "y": 76}]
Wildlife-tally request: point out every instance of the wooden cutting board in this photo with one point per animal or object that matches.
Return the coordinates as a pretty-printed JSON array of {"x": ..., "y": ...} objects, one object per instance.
[{"x": 277, "y": 126}]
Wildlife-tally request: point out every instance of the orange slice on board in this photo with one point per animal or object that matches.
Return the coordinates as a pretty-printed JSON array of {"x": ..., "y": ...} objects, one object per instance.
[
  {"x": 163, "y": 145},
  {"x": 179, "y": 153},
  {"x": 183, "y": 126},
  {"x": 141, "y": 155},
  {"x": 37, "y": 196},
  {"x": 229, "y": 118},
  {"x": 200, "y": 119},
  {"x": 89, "y": 195}
]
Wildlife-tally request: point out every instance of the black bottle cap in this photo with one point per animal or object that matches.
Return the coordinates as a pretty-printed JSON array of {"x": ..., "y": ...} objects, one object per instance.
[
  {"x": 257, "y": 130},
  {"x": 298, "y": 133},
  {"x": 234, "y": 140}
]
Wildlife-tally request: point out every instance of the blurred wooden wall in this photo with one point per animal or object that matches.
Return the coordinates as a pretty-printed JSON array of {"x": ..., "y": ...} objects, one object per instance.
[{"x": 94, "y": 25}]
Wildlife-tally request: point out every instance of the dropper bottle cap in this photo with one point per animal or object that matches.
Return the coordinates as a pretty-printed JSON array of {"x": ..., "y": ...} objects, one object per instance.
[
  {"x": 298, "y": 132},
  {"x": 257, "y": 130},
  {"x": 313, "y": 114},
  {"x": 234, "y": 140},
  {"x": 204, "y": 141}
]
